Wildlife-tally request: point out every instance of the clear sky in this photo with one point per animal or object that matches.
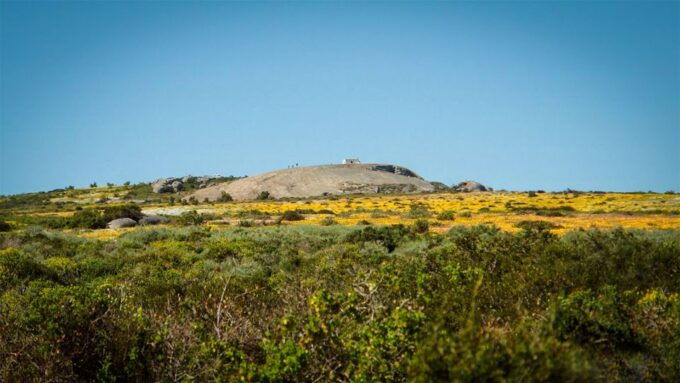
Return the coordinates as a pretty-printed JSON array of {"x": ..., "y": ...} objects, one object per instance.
[{"x": 552, "y": 95}]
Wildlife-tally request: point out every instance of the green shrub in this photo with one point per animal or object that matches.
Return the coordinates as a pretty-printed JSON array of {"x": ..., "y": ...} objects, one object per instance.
[
  {"x": 88, "y": 218},
  {"x": 191, "y": 217},
  {"x": 388, "y": 236},
  {"x": 225, "y": 197},
  {"x": 264, "y": 195},
  {"x": 590, "y": 318},
  {"x": 122, "y": 211},
  {"x": 478, "y": 354},
  {"x": 245, "y": 223},
  {"x": 536, "y": 226},
  {"x": 314, "y": 303},
  {"x": 421, "y": 226},
  {"x": 4, "y": 226},
  {"x": 446, "y": 215},
  {"x": 328, "y": 221},
  {"x": 417, "y": 210},
  {"x": 292, "y": 215},
  {"x": 92, "y": 218}
]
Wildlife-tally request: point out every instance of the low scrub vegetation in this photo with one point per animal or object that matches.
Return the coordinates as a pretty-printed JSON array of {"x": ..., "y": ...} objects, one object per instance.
[
  {"x": 97, "y": 218},
  {"x": 340, "y": 303}
]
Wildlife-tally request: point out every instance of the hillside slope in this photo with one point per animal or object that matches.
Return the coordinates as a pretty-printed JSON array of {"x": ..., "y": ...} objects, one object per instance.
[{"x": 320, "y": 180}]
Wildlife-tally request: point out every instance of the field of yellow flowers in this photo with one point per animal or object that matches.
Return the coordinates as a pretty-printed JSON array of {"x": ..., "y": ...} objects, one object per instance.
[
  {"x": 565, "y": 210},
  {"x": 568, "y": 211}
]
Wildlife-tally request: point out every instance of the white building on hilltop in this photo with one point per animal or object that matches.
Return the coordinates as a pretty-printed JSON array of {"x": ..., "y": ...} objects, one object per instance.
[{"x": 348, "y": 161}]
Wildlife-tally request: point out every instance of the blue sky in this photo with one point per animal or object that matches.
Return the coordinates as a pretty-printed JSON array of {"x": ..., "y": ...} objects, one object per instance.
[{"x": 582, "y": 95}]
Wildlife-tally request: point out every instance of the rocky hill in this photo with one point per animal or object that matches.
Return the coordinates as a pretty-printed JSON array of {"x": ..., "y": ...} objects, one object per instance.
[{"x": 320, "y": 180}]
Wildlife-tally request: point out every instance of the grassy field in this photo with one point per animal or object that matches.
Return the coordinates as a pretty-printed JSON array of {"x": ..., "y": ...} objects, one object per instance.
[{"x": 435, "y": 287}]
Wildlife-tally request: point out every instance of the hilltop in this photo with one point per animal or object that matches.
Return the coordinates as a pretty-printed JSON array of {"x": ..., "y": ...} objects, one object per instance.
[{"x": 310, "y": 181}]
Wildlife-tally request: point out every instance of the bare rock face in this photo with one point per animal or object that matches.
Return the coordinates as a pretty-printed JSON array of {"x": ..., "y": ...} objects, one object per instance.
[
  {"x": 121, "y": 222},
  {"x": 324, "y": 180},
  {"x": 164, "y": 185},
  {"x": 176, "y": 184},
  {"x": 470, "y": 186},
  {"x": 440, "y": 186},
  {"x": 394, "y": 169}
]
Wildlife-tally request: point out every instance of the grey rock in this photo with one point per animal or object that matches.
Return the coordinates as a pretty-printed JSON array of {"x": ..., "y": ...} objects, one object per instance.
[
  {"x": 394, "y": 169},
  {"x": 176, "y": 184},
  {"x": 152, "y": 219},
  {"x": 470, "y": 186},
  {"x": 121, "y": 222},
  {"x": 439, "y": 186},
  {"x": 163, "y": 185}
]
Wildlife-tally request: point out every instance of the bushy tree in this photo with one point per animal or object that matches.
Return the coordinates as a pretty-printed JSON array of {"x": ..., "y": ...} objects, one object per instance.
[
  {"x": 225, "y": 197},
  {"x": 264, "y": 195}
]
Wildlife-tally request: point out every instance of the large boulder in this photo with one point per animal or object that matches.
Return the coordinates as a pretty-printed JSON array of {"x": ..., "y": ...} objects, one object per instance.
[
  {"x": 470, "y": 186},
  {"x": 121, "y": 222},
  {"x": 152, "y": 219},
  {"x": 177, "y": 184},
  {"x": 165, "y": 185}
]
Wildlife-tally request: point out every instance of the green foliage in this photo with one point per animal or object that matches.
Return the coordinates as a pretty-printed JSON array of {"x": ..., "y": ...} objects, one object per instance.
[
  {"x": 446, "y": 215},
  {"x": 365, "y": 304},
  {"x": 603, "y": 318},
  {"x": 421, "y": 226},
  {"x": 87, "y": 218},
  {"x": 328, "y": 221},
  {"x": 94, "y": 218},
  {"x": 264, "y": 195},
  {"x": 475, "y": 353},
  {"x": 418, "y": 210},
  {"x": 292, "y": 215},
  {"x": 536, "y": 226},
  {"x": 388, "y": 236},
  {"x": 191, "y": 217},
  {"x": 225, "y": 197},
  {"x": 4, "y": 226}
]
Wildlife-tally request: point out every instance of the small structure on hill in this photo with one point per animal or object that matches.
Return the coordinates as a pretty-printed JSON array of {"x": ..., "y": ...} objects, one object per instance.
[{"x": 348, "y": 161}]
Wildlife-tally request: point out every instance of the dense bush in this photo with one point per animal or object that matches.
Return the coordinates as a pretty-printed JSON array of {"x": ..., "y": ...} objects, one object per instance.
[
  {"x": 264, "y": 195},
  {"x": 94, "y": 218},
  {"x": 446, "y": 215},
  {"x": 418, "y": 210},
  {"x": 292, "y": 215},
  {"x": 328, "y": 221},
  {"x": 4, "y": 226},
  {"x": 225, "y": 197},
  {"x": 192, "y": 217},
  {"x": 421, "y": 226},
  {"x": 369, "y": 303}
]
